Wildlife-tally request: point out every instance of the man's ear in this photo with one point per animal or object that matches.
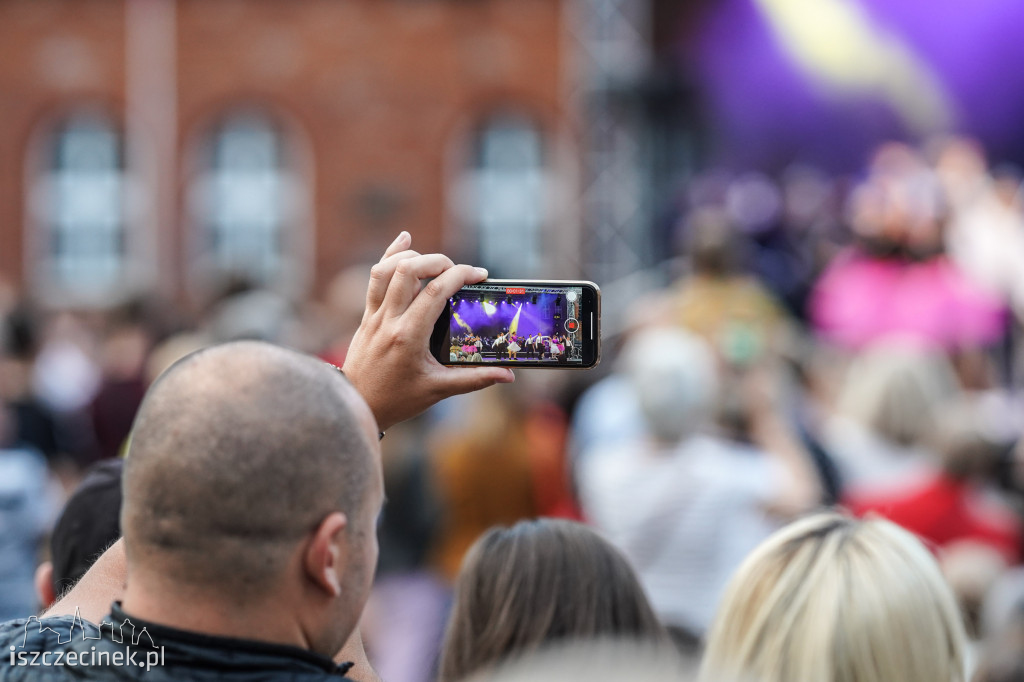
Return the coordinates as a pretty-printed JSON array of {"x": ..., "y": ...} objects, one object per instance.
[
  {"x": 44, "y": 584},
  {"x": 327, "y": 554}
]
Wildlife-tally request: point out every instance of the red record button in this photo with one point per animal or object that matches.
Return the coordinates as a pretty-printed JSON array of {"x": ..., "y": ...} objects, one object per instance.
[{"x": 572, "y": 325}]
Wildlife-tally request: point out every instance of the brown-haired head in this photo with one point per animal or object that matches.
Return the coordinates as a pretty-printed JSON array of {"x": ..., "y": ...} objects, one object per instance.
[{"x": 537, "y": 583}]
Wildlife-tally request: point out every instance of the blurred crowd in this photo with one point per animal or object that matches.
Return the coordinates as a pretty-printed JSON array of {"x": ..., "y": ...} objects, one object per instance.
[{"x": 828, "y": 341}]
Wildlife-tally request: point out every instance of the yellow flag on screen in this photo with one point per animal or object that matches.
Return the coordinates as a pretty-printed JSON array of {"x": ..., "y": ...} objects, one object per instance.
[{"x": 459, "y": 321}]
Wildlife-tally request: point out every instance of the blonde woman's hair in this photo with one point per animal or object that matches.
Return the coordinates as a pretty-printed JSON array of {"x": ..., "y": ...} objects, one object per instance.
[{"x": 833, "y": 599}]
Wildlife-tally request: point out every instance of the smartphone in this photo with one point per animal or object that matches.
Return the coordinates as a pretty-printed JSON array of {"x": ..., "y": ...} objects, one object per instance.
[{"x": 521, "y": 323}]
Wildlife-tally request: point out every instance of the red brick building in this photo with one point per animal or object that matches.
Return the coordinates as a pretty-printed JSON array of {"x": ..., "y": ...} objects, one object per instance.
[{"x": 156, "y": 145}]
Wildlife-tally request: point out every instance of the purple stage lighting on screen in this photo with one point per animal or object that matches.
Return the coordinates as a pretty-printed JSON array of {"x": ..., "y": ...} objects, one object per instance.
[{"x": 489, "y": 320}]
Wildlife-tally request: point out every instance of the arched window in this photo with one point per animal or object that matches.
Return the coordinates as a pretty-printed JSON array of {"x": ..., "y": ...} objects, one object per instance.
[
  {"x": 247, "y": 202},
  {"x": 503, "y": 197},
  {"x": 78, "y": 204}
]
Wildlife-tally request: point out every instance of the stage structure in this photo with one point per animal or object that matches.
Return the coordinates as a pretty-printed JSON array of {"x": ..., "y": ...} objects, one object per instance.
[{"x": 614, "y": 57}]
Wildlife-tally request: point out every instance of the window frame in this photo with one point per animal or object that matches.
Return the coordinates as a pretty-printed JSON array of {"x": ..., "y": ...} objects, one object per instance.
[
  {"x": 297, "y": 232},
  {"x": 466, "y": 171},
  {"x": 42, "y": 178}
]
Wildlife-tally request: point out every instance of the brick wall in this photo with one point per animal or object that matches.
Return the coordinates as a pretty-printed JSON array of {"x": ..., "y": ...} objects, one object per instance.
[{"x": 376, "y": 92}]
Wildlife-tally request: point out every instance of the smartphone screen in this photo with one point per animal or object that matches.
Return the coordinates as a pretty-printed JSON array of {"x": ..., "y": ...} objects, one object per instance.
[{"x": 521, "y": 323}]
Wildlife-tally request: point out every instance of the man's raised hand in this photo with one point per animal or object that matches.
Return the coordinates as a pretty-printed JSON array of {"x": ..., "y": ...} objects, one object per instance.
[{"x": 389, "y": 361}]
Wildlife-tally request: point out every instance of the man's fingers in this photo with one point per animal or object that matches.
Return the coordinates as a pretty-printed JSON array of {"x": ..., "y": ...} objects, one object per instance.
[
  {"x": 406, "y": 281},
  {"x": 402, "y": 242},
  {"x": 428, "y": 305},
  {"x": 456, "y": 380},
  {"x": 381, "y": 275}
]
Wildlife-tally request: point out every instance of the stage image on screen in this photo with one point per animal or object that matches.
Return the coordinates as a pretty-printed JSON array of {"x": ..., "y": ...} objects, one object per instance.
[{"x": 499, "y": 323}]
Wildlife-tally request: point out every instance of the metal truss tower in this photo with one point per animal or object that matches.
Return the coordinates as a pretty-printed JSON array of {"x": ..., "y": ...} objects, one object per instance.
[{"x": 614, "y": 56}]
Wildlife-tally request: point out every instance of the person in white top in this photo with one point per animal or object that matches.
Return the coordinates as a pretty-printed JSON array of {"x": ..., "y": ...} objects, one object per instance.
[
  {"x": 531, "y": 343},
  {"x": 887, "y": 413},
  {"x": 685, "y": 505}
]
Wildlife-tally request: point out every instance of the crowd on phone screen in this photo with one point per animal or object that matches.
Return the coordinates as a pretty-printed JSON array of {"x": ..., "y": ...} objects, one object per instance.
[
  {"x": 507, "y": 347},
  {"x": 827, "y": 343}
]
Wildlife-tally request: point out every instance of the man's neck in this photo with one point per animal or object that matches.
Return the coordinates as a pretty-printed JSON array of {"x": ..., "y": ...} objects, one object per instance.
[{"x": 202, "y": 611}]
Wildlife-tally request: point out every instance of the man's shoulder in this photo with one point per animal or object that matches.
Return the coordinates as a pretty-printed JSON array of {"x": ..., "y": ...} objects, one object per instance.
[
  {"x": 65, "y": 648},
  {"x": 34, "y": 633}
]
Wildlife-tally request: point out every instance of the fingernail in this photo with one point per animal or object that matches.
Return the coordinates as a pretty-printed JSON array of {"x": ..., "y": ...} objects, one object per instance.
[
  {"x": 510, "y": 376},
  {"x": 400, "y": 237},
  {"x": 483, "y": 272}
]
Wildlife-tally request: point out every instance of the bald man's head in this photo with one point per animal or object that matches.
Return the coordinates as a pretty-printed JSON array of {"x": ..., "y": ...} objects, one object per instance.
[{"x": 238, "y": 452}]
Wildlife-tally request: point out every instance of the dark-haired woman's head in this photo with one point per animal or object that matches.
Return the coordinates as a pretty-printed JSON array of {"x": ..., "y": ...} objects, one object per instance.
[{"x": 538, "y": 583}]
